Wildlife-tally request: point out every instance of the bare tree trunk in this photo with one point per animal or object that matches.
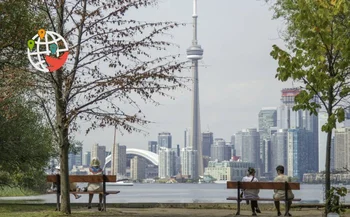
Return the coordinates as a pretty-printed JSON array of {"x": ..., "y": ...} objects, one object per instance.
[
  {"x": 62, "y": 121},
  {"x": 328, "y": 168},
  {"x": 64, "y": 147}
]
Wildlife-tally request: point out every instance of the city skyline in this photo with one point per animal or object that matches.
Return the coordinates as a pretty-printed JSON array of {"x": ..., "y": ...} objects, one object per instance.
[{"x": 232, "y": 90}]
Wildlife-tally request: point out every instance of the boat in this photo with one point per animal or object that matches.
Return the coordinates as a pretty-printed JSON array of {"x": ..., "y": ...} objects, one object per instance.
[
  {"x": 220, "y": 182},
  {"x": 119, "y": 183}
]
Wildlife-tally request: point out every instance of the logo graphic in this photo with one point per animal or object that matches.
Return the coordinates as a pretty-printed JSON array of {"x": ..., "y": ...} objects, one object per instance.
[{"x": 47, "y": 51}]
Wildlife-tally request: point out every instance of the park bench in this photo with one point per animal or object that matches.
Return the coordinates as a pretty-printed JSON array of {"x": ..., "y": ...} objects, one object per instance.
[
  {"x": 262, "y": 185},
  {"x": 84, "y": 178}
]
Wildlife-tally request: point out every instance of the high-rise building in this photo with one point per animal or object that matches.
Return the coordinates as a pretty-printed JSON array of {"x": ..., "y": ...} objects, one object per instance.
[
  {"x": 279, "y": 150},
  {"x": 164, "y": 140},
  {"x": 189, "y": 162},
  {"x": 207, "y": 141},
  {"x": 99, "y": 152},
  {"x": 267, "y": 119},
  {"x": 251, "y": 146},
  {"x": 195, "y": 53},
  {"x": 239, "y": 143},
  {"x": 177, "y": 150},
  {"x": 187, "y": 138},
  {"x": 137, "y": 168},
  {"x": 268, "y": 157},
  {"x": 289, "y": 119},
  {"x": 71, "y": 161},
  {"x": 322, "y": 141},
  {"x": 122, "y": 160},
  {"x": 152, "y": 146},
  {"x": 286, "y": 117},
  {"x": 167, "y": 162},
  {"x": 220, "y": 151},
  {"x": 78, "y": 155},
  {"x": 342, "y": 148},
  {"x": 87, "y": 158},
  {"x": 233, "y": 143},
  {"x": 298, "y": 153}
]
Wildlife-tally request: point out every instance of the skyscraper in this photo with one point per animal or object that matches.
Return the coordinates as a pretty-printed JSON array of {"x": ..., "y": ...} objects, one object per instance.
[
  {"x": 220, "y": 151},
  {"x": 267, "y": 119},
  {"x": 189, "y": 162},
  {"x": 187, "y": 138},
  {"x": 289, "y": 119},
  {"x": 164, "y": 140},
  {"x": 78, "y": 155},
  {"x": 99, "y": 152},
  {"x": 251, "y": 146},
  {"x": 152, "y": 146},
  {"x": 137, "y": 168},
  {"x": 122, "y": 159},
  {"x": 195, "y": 53},
  {"x": 279, "y": 150},
  {"x": 87, "y": 158},
  {"x": 207, "y": 141},
  {"x": 167, "y": 162},
  {"x": 299, "y": 159}
]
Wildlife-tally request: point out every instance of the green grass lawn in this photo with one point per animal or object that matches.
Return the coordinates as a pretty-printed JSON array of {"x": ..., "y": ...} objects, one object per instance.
[
  {"x": 12, "y": 192},
  {"x": 40, "y": 210}
]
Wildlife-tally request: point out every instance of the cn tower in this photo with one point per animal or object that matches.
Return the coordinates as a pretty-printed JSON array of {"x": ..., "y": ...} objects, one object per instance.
[{"x": 195, "y": 53}]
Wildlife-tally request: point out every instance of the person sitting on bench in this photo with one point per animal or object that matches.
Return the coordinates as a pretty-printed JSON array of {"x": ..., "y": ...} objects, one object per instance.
[
  {"x": 72, "y": 186},
  {"x": 280, "y": 194},
  {"x": 95, "y": 169},
  {"x": 251, "y": 193}
]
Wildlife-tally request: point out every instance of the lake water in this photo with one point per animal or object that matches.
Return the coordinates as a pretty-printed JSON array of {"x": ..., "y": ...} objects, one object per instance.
[{"x": 183, "y": 193}]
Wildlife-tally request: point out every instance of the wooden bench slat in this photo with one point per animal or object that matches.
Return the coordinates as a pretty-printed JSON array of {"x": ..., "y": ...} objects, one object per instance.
[
  {"x": 84, "y": 178},
  {"x": 263, "y": 185},
  {"x": 261, "y": 199},
  {"x": 88, "y": 192}
]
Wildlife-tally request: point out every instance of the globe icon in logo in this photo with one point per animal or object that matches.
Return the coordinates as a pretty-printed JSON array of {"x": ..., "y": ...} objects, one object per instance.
[{"x": 47, "y": 51}]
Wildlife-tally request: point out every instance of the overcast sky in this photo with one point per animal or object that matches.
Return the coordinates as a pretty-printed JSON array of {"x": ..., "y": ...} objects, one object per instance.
[{"x": 236, "y": 80}]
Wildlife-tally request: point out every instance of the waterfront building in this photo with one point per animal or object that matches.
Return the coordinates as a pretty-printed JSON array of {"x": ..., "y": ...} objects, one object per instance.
[
  {"x": 167, "y": 162},
  {"x": 189, "y": 162},
  {"x": 342, "y": 148},
  {"x": 137, "y": 168},
  {"x": 229, "y": 170},
  {"x": 220, "y": 151}
]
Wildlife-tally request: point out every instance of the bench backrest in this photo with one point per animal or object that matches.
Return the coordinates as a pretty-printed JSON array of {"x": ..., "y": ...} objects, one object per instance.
[
  {"x": 263, "y": 185},
  {"x": 84, "y": 178}
]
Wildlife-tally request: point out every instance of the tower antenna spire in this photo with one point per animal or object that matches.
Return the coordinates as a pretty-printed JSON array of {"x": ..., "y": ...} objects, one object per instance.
[
  {"x": 195, "y": 53},
  {"x": 194, "y": 8}
]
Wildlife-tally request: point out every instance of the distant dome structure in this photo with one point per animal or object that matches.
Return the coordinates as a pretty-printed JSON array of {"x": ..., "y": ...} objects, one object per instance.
[{"x": 152, "y": 157}]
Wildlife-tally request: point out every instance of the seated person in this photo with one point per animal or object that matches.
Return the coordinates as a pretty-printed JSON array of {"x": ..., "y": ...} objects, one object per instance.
[
  {"x": 251, "y": 193},
  {"x": 72, "y": 186},
  {"x": 280, "y": 194},
  {"x": 95, "y": 169}
]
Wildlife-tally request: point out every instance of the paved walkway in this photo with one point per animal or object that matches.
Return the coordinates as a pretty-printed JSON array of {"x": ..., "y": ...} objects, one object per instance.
[{"x": 176, "y": 212}]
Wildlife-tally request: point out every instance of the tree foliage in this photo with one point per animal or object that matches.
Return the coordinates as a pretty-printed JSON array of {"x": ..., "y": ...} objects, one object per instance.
[
  {"x": 18, "y": 21},
  {"x": 25, "y": 146},
  {"x": 317, "y": 57},
  {"x": 114, "y": 64}
]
